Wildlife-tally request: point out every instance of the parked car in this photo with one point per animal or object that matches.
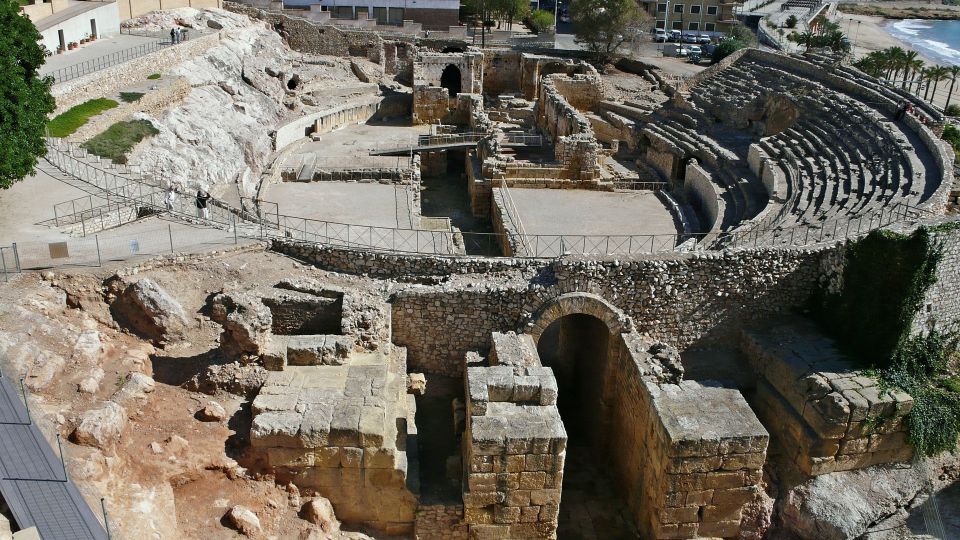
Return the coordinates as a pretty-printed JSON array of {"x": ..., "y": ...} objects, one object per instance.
[
  {"x": 704, "y": 39},
  {"x": 691, "y": 38},
  {"x": 660, "y": 36},
  {"x": 674, "y": 36},
  {"x": 674, "y": 49},
  {"x": 694, "y": 50}
]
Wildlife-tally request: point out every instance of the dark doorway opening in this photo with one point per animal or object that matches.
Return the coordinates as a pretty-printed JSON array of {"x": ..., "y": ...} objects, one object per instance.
[
  {"x": 450, "y": 79},
  {"x": 577, "y": 348}
]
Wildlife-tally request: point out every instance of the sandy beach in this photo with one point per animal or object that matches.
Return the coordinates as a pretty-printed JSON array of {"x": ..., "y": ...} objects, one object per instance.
[{"x": 867, "y": 34}]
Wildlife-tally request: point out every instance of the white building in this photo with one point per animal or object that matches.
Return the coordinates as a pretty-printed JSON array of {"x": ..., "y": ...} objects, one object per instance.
[{"x": 61, "y": 22}]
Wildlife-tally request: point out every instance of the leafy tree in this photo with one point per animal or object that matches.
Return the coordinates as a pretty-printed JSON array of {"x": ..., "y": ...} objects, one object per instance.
[
  {"x": 540, "y": 20},
  {"x": 509, "y": 10},
  {"x": 25, "y": 98},
  {"x": 725, "y": 48},
  {"x": 792, "y": 21},
  {"x": 603, "y": 26}
]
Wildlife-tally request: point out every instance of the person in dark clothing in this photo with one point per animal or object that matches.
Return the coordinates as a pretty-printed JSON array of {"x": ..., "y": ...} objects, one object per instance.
[
  {"x": 901, "y": 110},
  {"x": 173, "y": 35},
  {"x": 202, "y": 198}
]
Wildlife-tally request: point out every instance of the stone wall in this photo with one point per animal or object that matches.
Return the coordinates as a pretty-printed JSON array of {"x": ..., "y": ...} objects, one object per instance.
[
  {"x": 440, "y": 522},
  {"x": 701, "y": 192},
  {"x": 557, "y": 117},
  {"x": 677, "y": 298},
  {"x": 327, "y": 120},
  {"x": 941, "y": 303},
  {"x": 514, "y": 448},
  {"x": 825, "y": 415},
  {"x": 135, "y": 8},
  {"x": 113, "y": 79}
]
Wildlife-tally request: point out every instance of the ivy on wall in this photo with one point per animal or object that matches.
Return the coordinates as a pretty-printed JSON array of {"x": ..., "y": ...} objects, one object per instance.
[{"x": 885, "y": 279}]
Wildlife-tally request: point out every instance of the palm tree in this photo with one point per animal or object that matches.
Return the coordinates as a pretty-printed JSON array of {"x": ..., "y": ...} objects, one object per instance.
[
  {"x": 937, "y": 74},
  {"x": 954, "y": 71},
  {"x": 897, "y": 56},
  {"x": 909, "y": 58},
  {"x": 916, "y": 68},
  {"x": 806, "y": 39}
]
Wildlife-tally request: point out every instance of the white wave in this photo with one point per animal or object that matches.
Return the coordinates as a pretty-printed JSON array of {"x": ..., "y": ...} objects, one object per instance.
[
  {"x": 940, "y": 49},
  {"x": 910, "y": 27}
]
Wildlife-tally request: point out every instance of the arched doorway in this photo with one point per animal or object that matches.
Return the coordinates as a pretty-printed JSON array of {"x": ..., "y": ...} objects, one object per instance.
[
  {"x": 578, "y": 337},
  {"x": 450, "y": 79},
  {"x": 576, "y": 347}
]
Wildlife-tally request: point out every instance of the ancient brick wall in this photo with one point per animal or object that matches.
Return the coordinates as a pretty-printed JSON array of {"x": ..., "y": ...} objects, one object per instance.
[
  {"x": 941, "y": 307},
  {"x": 676, "y": 298}
]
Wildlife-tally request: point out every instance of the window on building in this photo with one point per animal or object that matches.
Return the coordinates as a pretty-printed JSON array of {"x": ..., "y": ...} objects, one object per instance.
[
  {"x": 343, "y": 12},
  {"x": 396, "y": 16},
  {"x": 380, "y": 14},
  {"x": 695, "y": 9},
  {"x": 676, "y": 25},
  {"x": 709, "y": 27},
  {"x": 693, "y": 26},
  {"x": 678, "y": 8},
  {"x": 711, "y": 10},
  {"x": 660, "y": 24},
  {"x": 661, "y": 8}
]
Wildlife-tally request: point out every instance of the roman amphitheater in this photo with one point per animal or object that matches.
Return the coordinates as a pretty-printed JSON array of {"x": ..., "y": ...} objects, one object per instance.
[{"x": 446, "y": 292}]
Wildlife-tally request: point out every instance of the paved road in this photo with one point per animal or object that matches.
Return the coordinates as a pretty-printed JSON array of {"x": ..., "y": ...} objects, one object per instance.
[{"x": 32, "y": 480}]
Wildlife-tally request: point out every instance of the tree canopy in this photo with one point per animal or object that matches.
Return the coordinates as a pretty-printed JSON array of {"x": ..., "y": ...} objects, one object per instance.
[
  {"x": 25, "y": 99},
  {"x": 603, "y": 26}
]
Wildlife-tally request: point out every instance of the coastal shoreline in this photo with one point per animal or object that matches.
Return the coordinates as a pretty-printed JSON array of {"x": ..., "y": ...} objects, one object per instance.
[{"x": 867, "y": 33}]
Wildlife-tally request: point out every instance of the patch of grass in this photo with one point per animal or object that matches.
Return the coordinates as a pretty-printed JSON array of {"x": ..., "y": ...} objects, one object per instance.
[
  {"x": 119, "y": 139},
  {"x": 153, "y": 76},
  {"x": 130, "y": 97},
  {"x": 70, "y": 121}
]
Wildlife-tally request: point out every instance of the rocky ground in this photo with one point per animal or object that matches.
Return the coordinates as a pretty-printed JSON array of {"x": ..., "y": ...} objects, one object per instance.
[
  {"x": 155, "y": 424},
  {"x": 243, "y": 88}
]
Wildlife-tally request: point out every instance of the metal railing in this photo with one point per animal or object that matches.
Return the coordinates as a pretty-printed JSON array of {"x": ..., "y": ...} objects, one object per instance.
[
  {"x": 426, "y": 141},
  {"x": 9, "y": 260},
  {"x": 101, "y": 62},
  {"x": 273, "y": 224}
]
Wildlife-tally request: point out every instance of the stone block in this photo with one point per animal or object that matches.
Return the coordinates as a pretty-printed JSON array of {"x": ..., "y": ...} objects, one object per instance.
[
  {"x": 529, "y": 514},
  {"x": 321, "y": 477},
  {"x": 277, "y": 428},
  {"x": 683, "y": 514},
  {"x": 723, "y": 480},
  {"x": 290, "y": 457},
  {"x": 478, "y": 516},
  {"x": 315, "y": 425},
  {"x": 545, "y": 496},
  {"x": 372, "y": 426},
  {"x": 532, "y": 480},
  {"x": 549, "y": 512},
  {"x": 482, "y": 482},
  {"x": 694, "y": 464},
  {"x": 351, "y": 458},
  {"x": 480, "y": 499},
  {"x": 274, "y": 402},
  {"x": 506, "y": 514},
  {"x": 345, "y": 424},
  {"x": 517, "y": 497},
  {"x": 379, "y": 458},
  {"x": 719, "y": 529},
  {"x": 734, "y": 462},
  {"x": 488, "y": 532}
]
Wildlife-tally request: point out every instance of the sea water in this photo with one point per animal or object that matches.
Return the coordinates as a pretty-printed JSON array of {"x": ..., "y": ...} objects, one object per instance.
[{"x": 935, "y": 39}]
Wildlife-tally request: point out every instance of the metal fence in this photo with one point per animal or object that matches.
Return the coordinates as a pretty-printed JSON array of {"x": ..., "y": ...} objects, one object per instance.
[{"x": 101, "y": 62}]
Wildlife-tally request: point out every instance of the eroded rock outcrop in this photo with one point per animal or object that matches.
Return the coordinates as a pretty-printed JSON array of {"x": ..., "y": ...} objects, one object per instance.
[{"x": 149, "y": 311}]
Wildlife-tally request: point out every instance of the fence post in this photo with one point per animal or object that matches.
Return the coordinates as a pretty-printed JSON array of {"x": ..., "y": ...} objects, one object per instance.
[
  {"x": 63, "y": 462},
  {"x": 234, "y": 218},
  {"x": 16, "y": 257},
  {"x": 99, "y": 258},
  {"x": 6, "y": 278},
  {"x": 26, "y": 403},
  {"x": 106, "y": 522},
  {"x": 170, "y": 236}
]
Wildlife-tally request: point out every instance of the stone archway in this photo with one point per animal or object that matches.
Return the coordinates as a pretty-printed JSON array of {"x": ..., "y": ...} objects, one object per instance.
[
  {"x": 578, "y": 335},
  {"x": 451, "y": 80}
]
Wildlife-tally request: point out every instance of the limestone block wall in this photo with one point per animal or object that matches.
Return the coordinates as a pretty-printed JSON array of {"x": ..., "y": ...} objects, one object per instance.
[
  {"x": 429, "y": 67},
  {"x": 440, "y": 522},
  {"x": 583, "y": 91},
  {"x": 514, "y": 449},
  {"x": 112, "y": 79},
  {"x": 344, "y": 432},
  {"x": 430, "y": 104},
  {"x": 501, "y": 72},
  {"x": 705, "y": 451},
  {"x": 556, "y": 117},
  {"x": 826, "y": 415}
]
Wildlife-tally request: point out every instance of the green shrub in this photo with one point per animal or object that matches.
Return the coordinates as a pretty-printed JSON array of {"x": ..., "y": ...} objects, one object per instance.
[
  {"x": 952, "y": 135},
  {"x": 791, "y": 21},
  {"x": 153, "y": 76},
  {"x": 130, "y": 97},
  {"x": 70, "y": 121},
  {"x": 119, "y": 139},
  {"x": 953, "y": 110},
  {"x": 726, "y": 47},
  {"x": 540, "y": 20}
]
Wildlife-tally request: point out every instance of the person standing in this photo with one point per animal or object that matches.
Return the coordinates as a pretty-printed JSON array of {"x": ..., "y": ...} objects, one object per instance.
[
  {"x": 173, "y": 35},
  {"x": 170, "y": 197},
  {"x": 202, "y": 198}
]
